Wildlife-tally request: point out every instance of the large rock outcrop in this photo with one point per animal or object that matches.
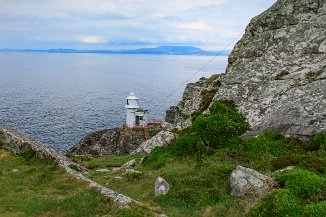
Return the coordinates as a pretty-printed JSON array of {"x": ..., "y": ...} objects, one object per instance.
[
  {"x": 109, "y": 142},
  {"x": 276, "y": 72}
]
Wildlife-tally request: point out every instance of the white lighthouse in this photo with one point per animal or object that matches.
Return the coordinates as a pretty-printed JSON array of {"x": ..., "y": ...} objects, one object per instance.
[{"x": 135, "y": 116}]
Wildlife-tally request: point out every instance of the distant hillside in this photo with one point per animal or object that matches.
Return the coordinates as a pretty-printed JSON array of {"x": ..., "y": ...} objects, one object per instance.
[{"x": 162, "y": 50}]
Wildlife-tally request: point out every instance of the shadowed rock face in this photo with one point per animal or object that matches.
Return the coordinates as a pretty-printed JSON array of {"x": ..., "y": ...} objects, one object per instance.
[
  {"x": 276, "y": 72},
  {"x": 109, "y": 142}
]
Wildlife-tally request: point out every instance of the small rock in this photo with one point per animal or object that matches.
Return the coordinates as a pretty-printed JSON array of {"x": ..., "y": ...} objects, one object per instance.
[
  {"x": 142, "y": 160},
  {"x": 118, "y": 177},
  {"x": 115, "y": 169},
  {"x": 161, "y": 186},
  {"x": 248, "y": 181},
  {"x": 104, "y": 170},
  {"x": 130, "y": 163},
  {"x": 15, "y": 170},
  {"x": 93, "y": 185},
  {"x": 283, "y": 170},
  {"x": 162, "y": 215},
  {"x": 131, "y": 171}
]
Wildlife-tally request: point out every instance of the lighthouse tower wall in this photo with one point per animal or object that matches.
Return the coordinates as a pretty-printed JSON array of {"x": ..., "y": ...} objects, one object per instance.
[
  {"x": 132, "y": 106},
  {"x": 130, "y": 119}
]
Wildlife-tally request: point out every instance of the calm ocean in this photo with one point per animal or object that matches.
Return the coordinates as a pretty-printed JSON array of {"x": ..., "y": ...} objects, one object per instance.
[{"x": 58, "y": 98}]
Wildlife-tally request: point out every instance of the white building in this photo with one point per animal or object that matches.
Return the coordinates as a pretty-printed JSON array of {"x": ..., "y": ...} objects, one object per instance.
[{"x": 135, "y": 116}]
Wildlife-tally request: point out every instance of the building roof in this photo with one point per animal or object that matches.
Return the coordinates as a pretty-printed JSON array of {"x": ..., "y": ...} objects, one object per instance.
[{"x": 132, "y": 96}]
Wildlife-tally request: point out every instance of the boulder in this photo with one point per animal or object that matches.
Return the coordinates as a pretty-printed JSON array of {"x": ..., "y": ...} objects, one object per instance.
[
  {"x": 163, "y": 138},
  {"x": 130, "y": 163},
  {"x": 248, "y": 181},
  {"x": 161, "y": 187}
]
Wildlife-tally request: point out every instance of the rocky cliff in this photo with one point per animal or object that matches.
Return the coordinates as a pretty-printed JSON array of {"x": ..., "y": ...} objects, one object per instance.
[{"x": 276, "y": 72}]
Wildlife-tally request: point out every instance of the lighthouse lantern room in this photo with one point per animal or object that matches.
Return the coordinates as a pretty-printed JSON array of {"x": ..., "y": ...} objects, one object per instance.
[{"x": 135, "y": 116}]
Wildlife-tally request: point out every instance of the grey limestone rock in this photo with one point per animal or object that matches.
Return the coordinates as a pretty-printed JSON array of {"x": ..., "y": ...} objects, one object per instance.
[
  {"x": 277, "y": 71},
  {"x": 163, "y": 138},
  {"x": 130, "y": 163},
  {"x": 103, "y": 170},
  {"x": 248, "y": 181},
  {"x": 161, "y": 186}
]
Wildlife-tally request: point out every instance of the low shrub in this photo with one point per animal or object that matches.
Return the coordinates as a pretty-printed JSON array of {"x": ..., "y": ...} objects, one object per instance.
[
  {"x": 315, "y": 209},
  {"x": 310, "y": 162},
  {"x": 269, "y": 142},
  {"x": 188, "y": 144},
  {"x": 278, "y": 203},
  {"x": 222, "y": 126},
  {"x": 302, "y": 183}
]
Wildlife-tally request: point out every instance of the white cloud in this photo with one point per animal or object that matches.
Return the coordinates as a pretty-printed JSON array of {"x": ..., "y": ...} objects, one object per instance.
[
  {"x": 92, "y": 39},
  {"x": 105, "y": 22},
  {"x": 198, "y": 25}
]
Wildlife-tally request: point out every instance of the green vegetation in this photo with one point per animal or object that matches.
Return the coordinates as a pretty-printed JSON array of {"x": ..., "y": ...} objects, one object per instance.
[
  {"x": 198, "y": 165},
  {"x": 31, "y": 186},
  {"x": 103, "y": 162},
  {"x": 207, "y": 96},
  {"x": 299, "y": 188}
]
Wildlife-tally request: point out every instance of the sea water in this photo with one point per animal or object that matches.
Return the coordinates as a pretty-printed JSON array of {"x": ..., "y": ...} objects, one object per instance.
[{"x": 59, "y": 98}]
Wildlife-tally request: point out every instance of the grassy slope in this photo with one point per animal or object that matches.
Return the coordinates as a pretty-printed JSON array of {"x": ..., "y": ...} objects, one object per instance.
[
  {"x": 34, "y": 187},
  {"x": 200, "y": 186},
  {"x": 199, "y": 163}
]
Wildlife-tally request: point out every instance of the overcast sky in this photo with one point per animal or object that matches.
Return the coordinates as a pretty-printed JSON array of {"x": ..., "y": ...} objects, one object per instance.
[{"x": 118, "y": 24}]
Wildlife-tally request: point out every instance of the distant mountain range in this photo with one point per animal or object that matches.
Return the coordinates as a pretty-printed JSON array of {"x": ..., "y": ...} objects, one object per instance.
[{"x": 162, "y": 50}]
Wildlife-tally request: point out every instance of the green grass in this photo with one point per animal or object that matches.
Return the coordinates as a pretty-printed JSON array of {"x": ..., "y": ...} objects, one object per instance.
[
  {"x": 195, "y": 187},
  {"x": 199, "y": 184},
  {"x": 104, "y": 162},
  {"x": 38, "y": 187},
  {"x": 198, "y": 165}
]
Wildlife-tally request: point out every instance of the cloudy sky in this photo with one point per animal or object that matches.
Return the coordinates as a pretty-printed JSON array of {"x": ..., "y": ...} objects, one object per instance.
[{"x": 119, "y": 24}]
